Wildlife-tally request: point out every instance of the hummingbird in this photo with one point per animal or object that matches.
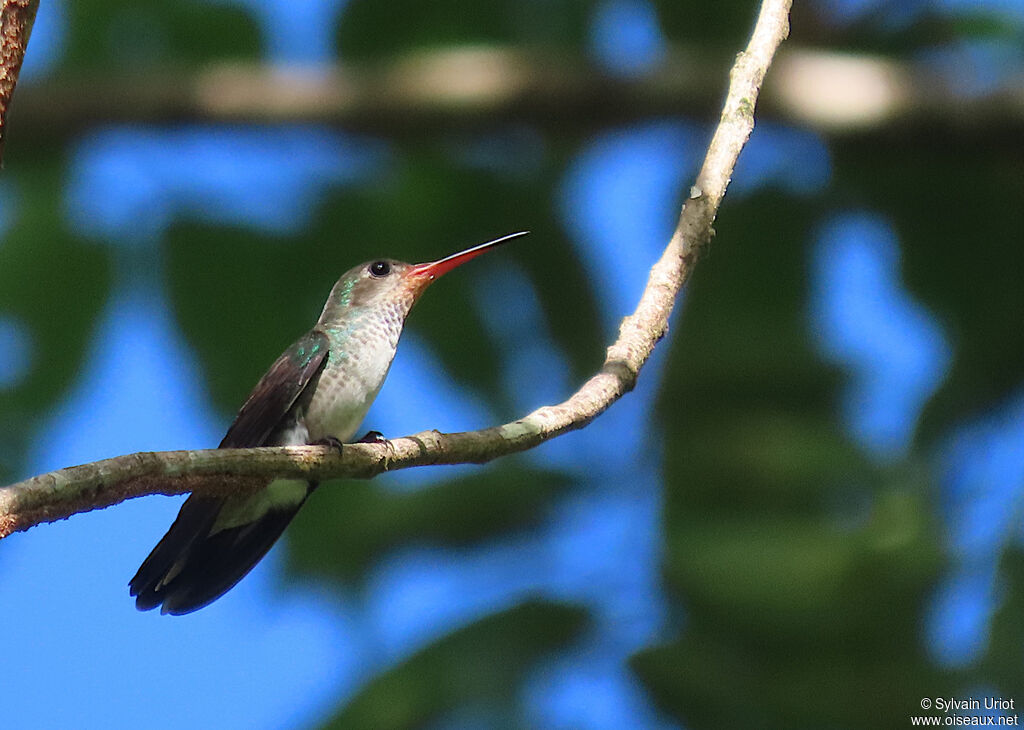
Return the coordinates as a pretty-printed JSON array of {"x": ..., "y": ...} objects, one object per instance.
[{"x": 317, "y": 391}]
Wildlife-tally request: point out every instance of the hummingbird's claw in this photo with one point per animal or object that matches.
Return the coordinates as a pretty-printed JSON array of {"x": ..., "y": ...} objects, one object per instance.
[
  {"x": 372, "y": 437},
  {"x": 376, "y": 437},
  {"x": 329, "y": 441}
]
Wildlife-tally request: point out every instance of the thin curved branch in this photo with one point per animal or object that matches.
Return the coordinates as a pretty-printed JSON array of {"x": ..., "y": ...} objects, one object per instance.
[{"x": 59, "y": 494}]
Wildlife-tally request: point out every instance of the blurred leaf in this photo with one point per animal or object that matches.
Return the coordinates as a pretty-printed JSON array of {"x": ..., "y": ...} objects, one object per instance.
[
  {"x": 720, "y": 24},
  {"x": 1000, "y": 666},
  {"x": 741, "y": 576},
  {"x": 53, "y": 285},
  {"x": 147, "y": 33},
  {"x": 481, "y": 663},
  {"x": 803, "y": 568},
  {"x": 353, "y": 523},
  {"x": 712, "y": 680},
  {"x": 885, "y": 28},
  {"x": 373, "y": 29},
  {"x": 265, "y": 291},
  {"x": 959, "y": 222}
]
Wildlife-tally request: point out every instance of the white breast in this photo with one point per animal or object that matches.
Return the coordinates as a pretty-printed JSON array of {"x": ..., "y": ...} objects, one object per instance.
[{"x": 358, "y": 362}]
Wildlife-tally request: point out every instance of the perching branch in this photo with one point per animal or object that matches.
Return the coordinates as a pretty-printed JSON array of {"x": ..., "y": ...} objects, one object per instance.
[
  {"x": 59, "y": 494},
  {"x": 16, "y": 18}
]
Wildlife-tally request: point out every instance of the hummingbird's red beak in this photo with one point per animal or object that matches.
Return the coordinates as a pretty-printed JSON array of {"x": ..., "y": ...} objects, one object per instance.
[{"x": 427, "y": 272}]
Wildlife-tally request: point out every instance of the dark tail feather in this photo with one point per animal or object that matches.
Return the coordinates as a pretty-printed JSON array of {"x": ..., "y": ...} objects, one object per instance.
[
  {"x": 190, "y": 568},
  {"x": 194, "y": 520}
]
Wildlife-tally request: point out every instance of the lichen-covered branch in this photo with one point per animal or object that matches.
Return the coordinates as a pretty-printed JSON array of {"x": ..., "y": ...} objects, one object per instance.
[
  {"x": 16, "y": 19},
  {"x": 100, "y": 484}
]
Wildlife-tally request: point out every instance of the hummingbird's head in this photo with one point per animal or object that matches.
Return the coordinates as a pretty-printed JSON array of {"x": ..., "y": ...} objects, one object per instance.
[{"x": 386, "y": 283}]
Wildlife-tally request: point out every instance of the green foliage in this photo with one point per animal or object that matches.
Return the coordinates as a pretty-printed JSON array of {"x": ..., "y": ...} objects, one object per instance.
[
  {"x": 374, "y": 30},
  {"x": 798, "y": 619},
  {"x": 724, "y": 24},
  {"x": 482, "y": 665},
  {"x": 146, "y": 34},
  {"x": 956, "y": 216},
  {"x": 53, "y": 284},
  {"x": 1001, "y": 665},
  {"x": 802, "y": 568},
  {"x": 355, "y": 523}
]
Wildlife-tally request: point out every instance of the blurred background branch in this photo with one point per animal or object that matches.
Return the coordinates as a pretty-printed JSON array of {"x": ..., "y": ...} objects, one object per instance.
[{"x": 838, "y": 94}]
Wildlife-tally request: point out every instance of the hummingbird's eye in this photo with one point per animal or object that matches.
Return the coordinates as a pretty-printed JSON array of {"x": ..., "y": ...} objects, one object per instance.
[{"x": 380, "y": 268}]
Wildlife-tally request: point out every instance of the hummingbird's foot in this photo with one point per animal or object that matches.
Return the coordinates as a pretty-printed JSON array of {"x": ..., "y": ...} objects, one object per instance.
[
  {"x": 376, "y": 437},
  {"x": 372, "y": 437},
  {"x": 329, "y": 441}
]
